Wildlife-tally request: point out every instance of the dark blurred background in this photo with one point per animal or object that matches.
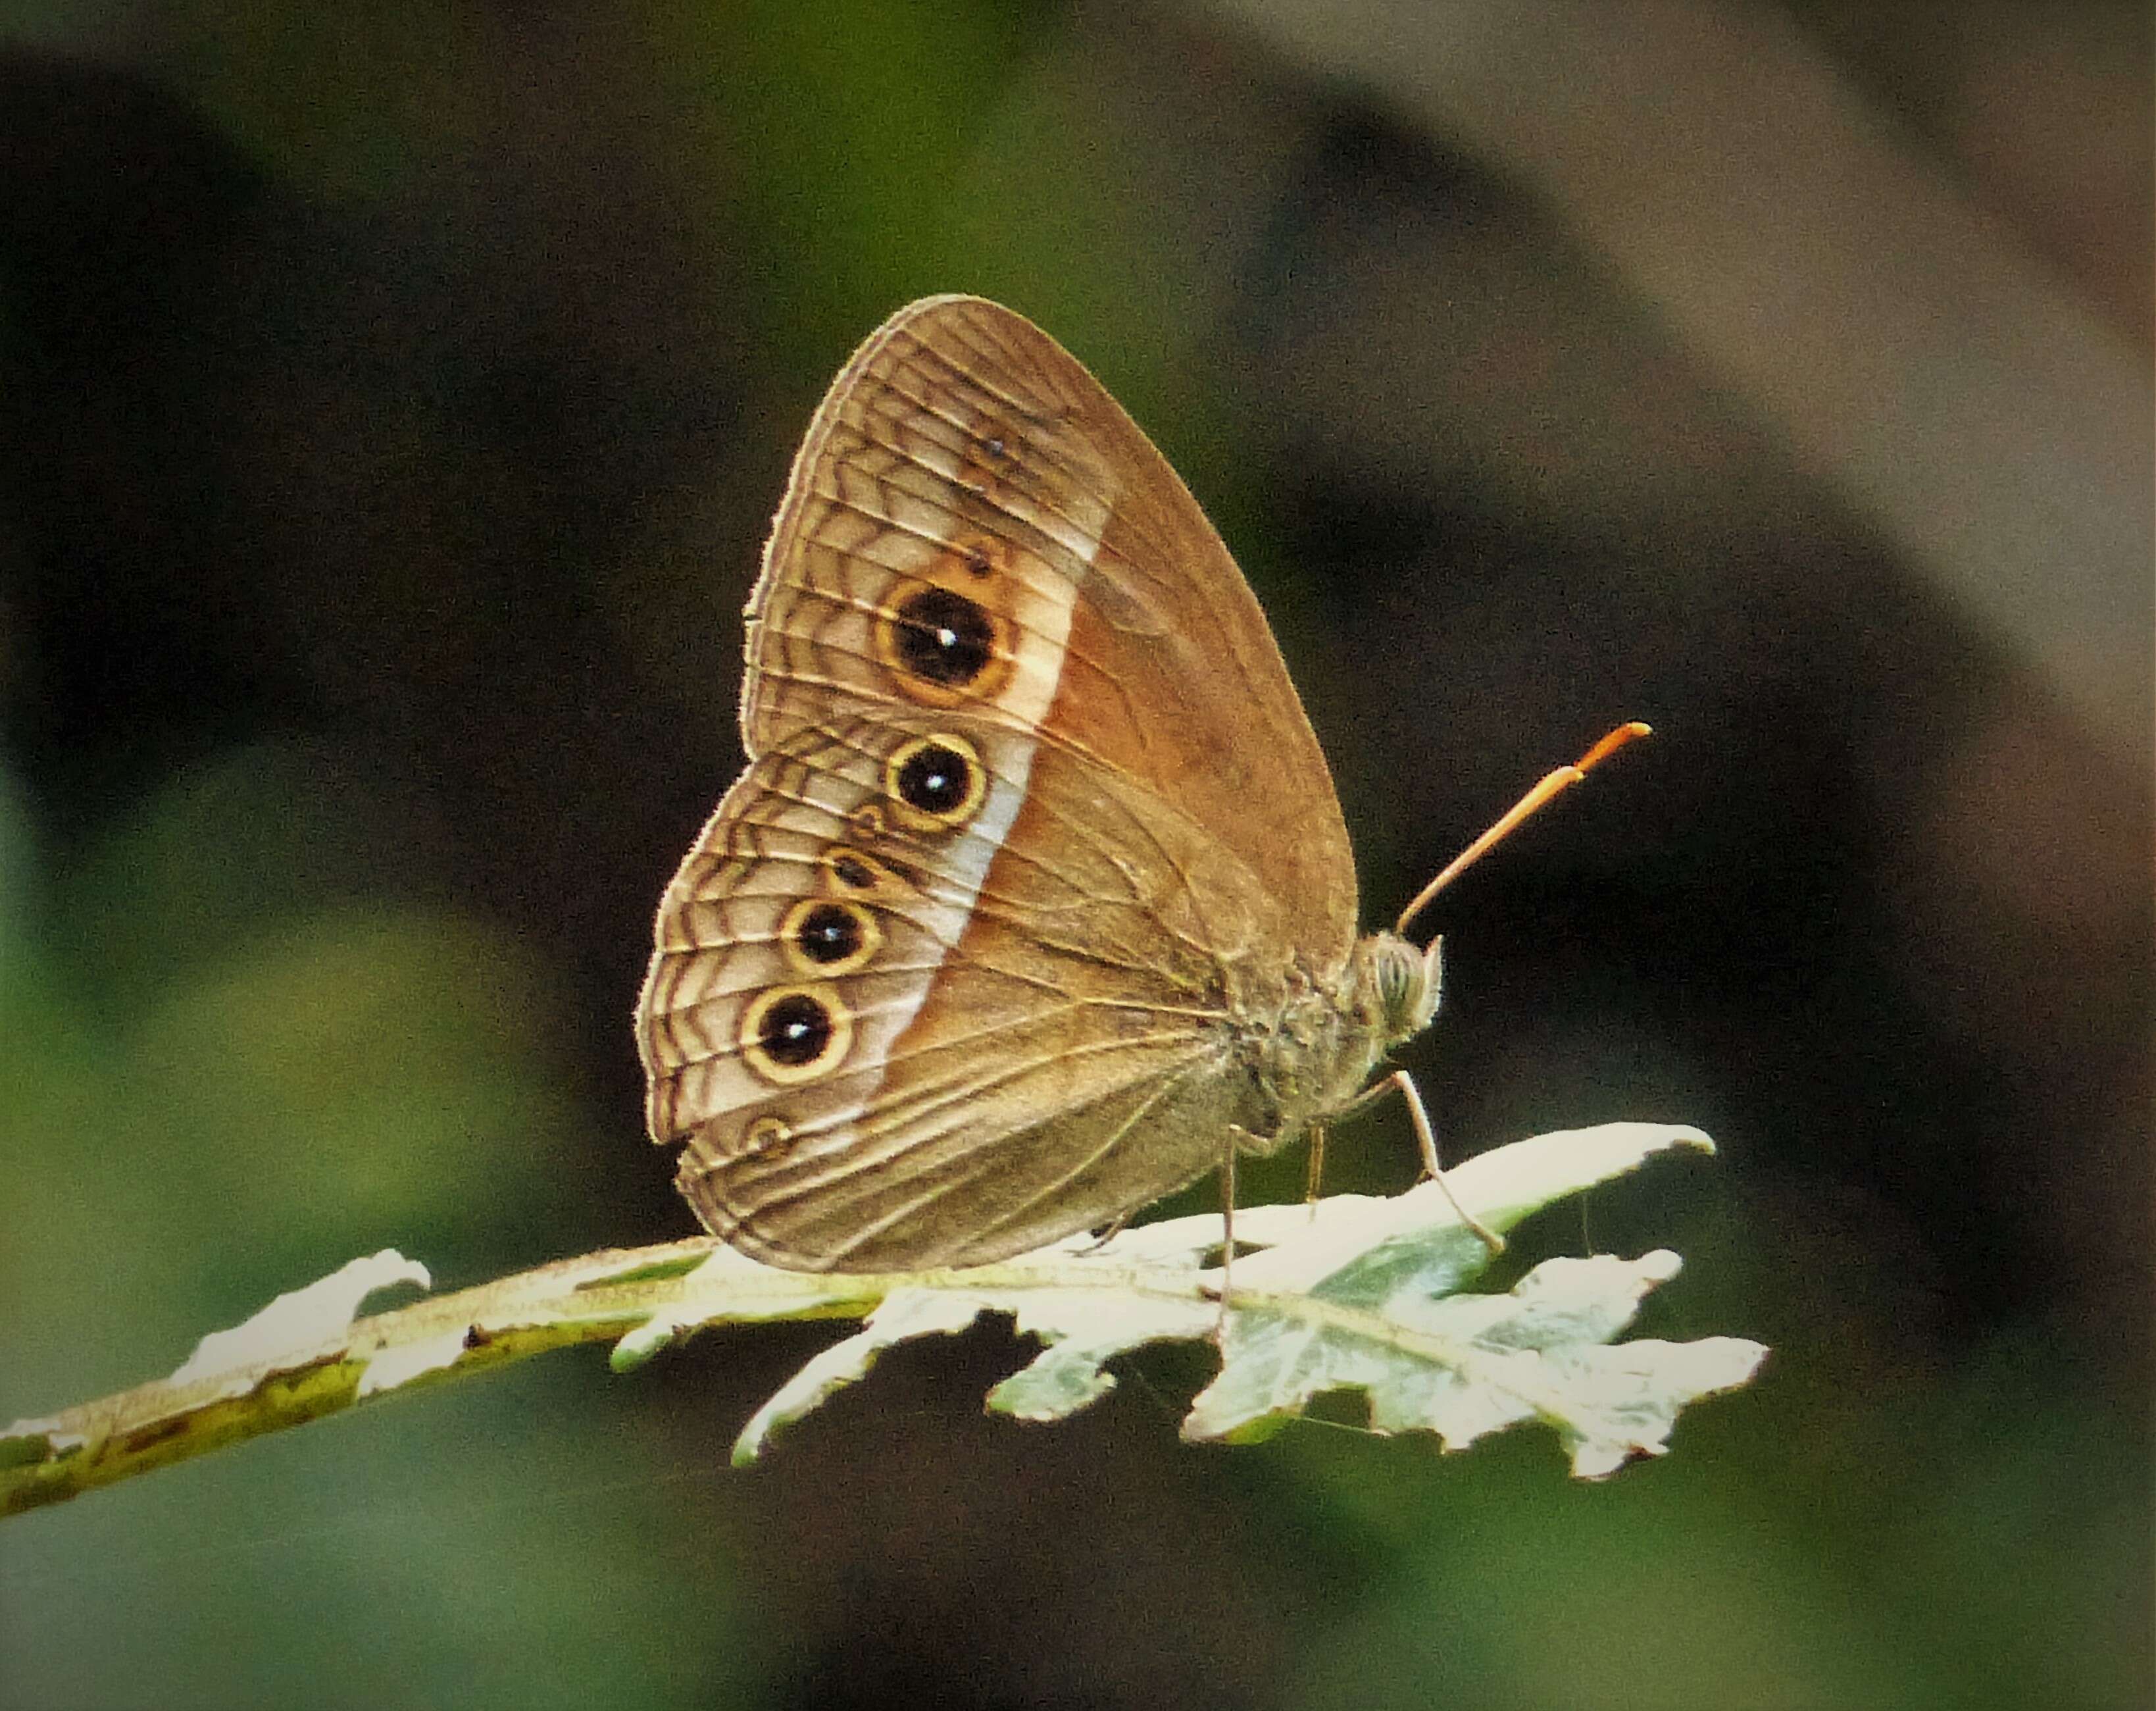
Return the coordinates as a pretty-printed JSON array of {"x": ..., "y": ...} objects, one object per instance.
[{"x": 393, "y": 402}]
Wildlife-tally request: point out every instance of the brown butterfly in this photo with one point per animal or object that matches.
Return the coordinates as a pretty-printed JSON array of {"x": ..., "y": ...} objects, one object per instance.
[{"x": 1034, "y": 903}]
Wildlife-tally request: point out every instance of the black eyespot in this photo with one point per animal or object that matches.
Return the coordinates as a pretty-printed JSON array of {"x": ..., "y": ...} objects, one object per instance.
[
  {"x": 849, "y": 875},
  {"x": 794, "y": 1031},
  {"x": 943, "y": 637},
  {"x": 830, "y": 936},
  {"x": 828, "y": 933},
  {"x": 792, "y": 1035},
  {"x": 936, "y": 779},
  {"x": 935, "y": 782}
]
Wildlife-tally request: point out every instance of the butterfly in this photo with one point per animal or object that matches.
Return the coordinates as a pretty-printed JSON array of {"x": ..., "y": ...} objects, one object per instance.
[{"x": 1034, "y": 903}]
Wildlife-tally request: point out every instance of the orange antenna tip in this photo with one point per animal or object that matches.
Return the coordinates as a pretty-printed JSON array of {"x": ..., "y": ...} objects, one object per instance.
[
  {"x": 1549, "y": 786},
  {"x": 1629, "y": 732}
]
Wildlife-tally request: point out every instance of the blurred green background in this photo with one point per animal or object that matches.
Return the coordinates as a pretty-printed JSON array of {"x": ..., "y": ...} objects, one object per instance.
[{"x": 392, "y": 403}]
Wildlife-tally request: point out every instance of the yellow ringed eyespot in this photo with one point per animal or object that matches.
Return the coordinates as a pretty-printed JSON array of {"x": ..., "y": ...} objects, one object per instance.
[
  {"x": 795, "y": 1034},
  {"x": 828, "y": 936},
  {"x": 935, "y": 782}
]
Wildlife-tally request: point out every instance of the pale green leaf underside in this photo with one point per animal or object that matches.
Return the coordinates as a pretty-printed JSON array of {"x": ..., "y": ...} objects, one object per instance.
[{"x": 1353, "y": 1292}]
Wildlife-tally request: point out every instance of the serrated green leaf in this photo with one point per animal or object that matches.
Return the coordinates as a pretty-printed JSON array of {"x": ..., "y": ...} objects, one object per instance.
[
  {"x": 1467, "y": 1365},
  {"x": 1353, "y": 1292}
]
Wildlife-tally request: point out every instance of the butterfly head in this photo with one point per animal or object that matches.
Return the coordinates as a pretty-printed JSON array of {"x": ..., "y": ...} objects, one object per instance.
[{"x": 1399, "y": 983}]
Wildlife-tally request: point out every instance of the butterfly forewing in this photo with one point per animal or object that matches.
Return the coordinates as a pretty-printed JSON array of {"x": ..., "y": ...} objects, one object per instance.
[{"x": 960, "y": 430}]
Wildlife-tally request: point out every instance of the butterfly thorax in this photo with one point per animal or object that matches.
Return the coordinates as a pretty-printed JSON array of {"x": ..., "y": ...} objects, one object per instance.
[{"x": 1318, "y": 1054}]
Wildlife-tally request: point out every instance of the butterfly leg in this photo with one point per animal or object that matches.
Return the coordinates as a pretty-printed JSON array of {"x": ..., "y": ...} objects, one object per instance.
[
  {"x": 1426, "y": 1138},
  {"x": 1227, "y": 1233},
  {"x": 1109, "y": 1232},
  {"x": 1316, "y": 1176}
]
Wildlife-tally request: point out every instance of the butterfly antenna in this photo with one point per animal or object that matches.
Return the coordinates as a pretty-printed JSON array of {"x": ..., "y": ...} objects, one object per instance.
[{"x": 1553, "y": 785}]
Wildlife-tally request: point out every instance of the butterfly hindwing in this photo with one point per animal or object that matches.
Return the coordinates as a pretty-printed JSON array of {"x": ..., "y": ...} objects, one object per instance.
[{"x": 997, "y": 1039}]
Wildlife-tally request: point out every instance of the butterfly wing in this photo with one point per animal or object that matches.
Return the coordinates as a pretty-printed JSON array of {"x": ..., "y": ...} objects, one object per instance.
[
  {"x": 964, "y": 461},
  {"x": 995, "y": 1040},
  {"x": 1034, "y": 821}
]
